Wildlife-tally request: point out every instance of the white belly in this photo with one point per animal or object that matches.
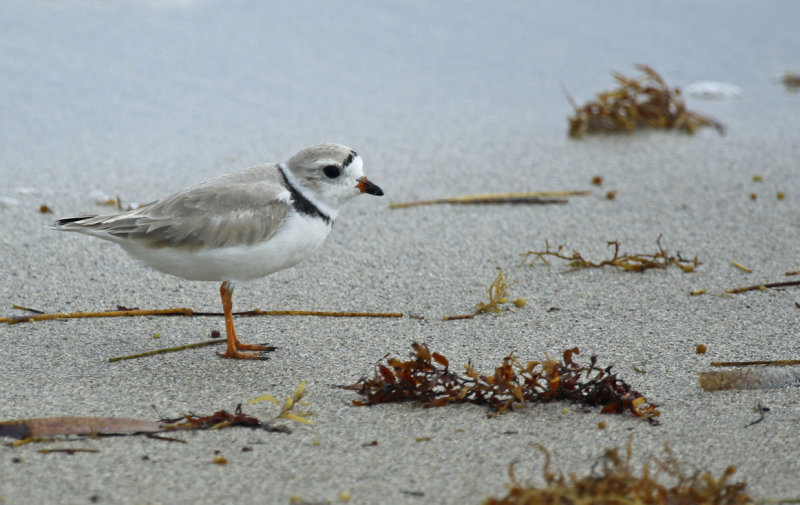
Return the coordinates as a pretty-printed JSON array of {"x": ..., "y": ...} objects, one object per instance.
[{"x": 295, "y": 241}]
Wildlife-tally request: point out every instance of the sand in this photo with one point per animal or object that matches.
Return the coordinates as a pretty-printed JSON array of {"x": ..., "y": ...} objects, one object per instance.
[{"x": 140, "y": 99}]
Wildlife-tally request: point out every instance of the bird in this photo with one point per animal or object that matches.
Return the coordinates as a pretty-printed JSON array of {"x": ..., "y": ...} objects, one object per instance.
[{"x": 238, "y": 227}]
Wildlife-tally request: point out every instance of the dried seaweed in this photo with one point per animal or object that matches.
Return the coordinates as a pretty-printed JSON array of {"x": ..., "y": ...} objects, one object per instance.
[
  {"x": 426, "y": 379},
  {"x": 617, "y": 484},
  {"x": 646, "y": 102},
  {"x": 498, "y": 295},
  {"x": 629, "y": 262}
]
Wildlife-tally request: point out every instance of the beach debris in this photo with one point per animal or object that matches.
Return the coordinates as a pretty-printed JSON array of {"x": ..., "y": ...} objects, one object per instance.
[
  {"x": 37, "y": 429},
  {"x": 613, "y": 482},
  {"x": 45, "y": 209},
  {"x": 712, "y": 90},
  {"x": 69, "y": 451},
  {"x": 528, "y": 197},
  {"x": 48, "y": 427},
  {"x": 751, "y": 375},
  {"x": 749, "y": 378},
  {"x": 762, "y": 412},
  {"x": 498, "y": 295},
  {"x": 791, "y": 81},
  {"x": 187, "y": 312},
  {"x": 741, "y": 267},
  {"x": 763, "y": 287},
  {"x": 287, "y": 408},
  {"x": 165, "y": 350},
  {"x": 629, "y": 262},
  {"x": 426, "y": 379},
  {"x": 597, "y": 180},
  {"x": 637, "y": 103}
]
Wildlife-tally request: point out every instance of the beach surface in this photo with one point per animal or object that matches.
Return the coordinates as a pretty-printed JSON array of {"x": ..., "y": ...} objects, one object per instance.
[{"x": 137, "y": 100}]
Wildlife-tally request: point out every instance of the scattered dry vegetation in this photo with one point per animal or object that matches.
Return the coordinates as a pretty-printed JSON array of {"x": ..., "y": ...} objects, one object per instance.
[
  {"x": 637, "y": 103},
  {"x": 616, "y": 484},
  {"x": 44, "y": 429},
  {"x": 498, "y": 295},
  {"x": 426, "y": 379},
  {"x": 629, "y": 262}
]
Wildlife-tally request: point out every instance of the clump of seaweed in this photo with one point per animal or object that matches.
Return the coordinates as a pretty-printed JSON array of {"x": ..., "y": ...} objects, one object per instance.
[
  {"x": 618, "y": 485},
  {"x": 629, "y": 262},
  {"x": 498, "y": 295},
  {"x": 426, "y": 379},
  {"x": 637, "y": 103}
]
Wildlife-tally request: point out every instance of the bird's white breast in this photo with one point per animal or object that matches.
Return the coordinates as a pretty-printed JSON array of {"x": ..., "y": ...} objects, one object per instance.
[{"x": 298, "y": 237}]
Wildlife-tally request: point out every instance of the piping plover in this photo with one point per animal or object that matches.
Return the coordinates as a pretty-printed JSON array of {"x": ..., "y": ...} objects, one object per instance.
[{"x": 240, "y": 226}]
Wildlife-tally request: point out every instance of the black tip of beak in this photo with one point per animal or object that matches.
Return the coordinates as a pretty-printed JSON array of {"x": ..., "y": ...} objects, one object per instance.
[{"x": 367, "y": 186}]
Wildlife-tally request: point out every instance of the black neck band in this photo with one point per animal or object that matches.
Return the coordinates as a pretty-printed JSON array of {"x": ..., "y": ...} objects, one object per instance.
[{"x": 302, "y": 204}]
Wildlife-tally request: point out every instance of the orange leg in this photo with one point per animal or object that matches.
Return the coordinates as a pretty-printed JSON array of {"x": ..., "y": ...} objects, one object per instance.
[{"x": 234, "y": 346}]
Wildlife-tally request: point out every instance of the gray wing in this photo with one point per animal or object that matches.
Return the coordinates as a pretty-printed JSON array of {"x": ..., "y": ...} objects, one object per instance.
[{"x": 222, "y": 212}]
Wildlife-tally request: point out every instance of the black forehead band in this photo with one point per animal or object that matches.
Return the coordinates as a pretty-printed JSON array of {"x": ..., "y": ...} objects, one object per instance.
[{"x": 349, "y": 158}]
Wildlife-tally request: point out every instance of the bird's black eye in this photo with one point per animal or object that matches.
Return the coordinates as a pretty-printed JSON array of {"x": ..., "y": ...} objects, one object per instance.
[{"x": 332, "y": 171}]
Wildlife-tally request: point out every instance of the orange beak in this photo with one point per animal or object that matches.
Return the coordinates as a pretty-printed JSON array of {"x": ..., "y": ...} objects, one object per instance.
[{"x": 366, "y": 186}]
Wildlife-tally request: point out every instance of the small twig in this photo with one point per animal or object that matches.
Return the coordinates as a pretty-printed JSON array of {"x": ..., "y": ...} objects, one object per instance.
[
  {"x": 108, "y": 313},
  {"x": 69, "y": 451},
  {"x": 189, "y": 313},
  {"x": 762, "y": 287},
  {"x": 20, "y": 307},
  {"x": 528, "y": 197},
  {"x": 164, "y": 438},
  {"x": 321, "y": 313},
  {"x": 780, "y": 362},
  {"x": 168, "y": 349},
  {"x": 741, "y": 267}
]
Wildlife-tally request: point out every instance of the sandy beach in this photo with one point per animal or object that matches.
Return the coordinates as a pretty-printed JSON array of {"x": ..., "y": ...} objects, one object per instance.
[{"x": 138, "y": 100}]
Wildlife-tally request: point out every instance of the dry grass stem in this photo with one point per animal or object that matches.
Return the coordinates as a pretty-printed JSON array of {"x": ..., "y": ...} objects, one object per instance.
[
  {"x": 763, "y": 287},
  {"x": 528, "y": 197},
  {"x": 191, "y": 313}
]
